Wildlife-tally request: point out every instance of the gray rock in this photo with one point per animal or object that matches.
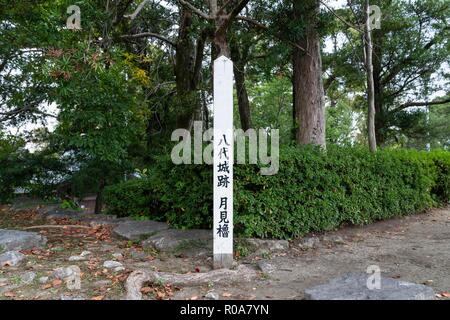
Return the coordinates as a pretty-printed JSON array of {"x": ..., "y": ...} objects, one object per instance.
[
  {"x": 212, "y": 296},
  {"x": 138, "y": 255},
  {"x": 101, "y": 222},
  {"x": 11, "y": 258},
  {"x": 265, "y": 267},
  {"x": 71, "y": 275},
  {"x": 66, "y": 297},
  {"x": 115, "y": 265},
  {"x": 3, "y": 281},
  {"x": 43, "y": 210},
  {"x": 43, "y": 280},
  {"x": 353, "y": 286},
  {"x": 21, "y": 240},
  {"x": 118, "y": 256},
  {"x": 309, "y": 243},
  {"x": 77, "y": 258},
  {"x": 333, "y": 239},
  {"x": 262, "y": 246},
  {"x": 85, "y": 253},
  {"x": 62, "y": 213},
  {"x": 28, "y": 277},
  {"x": 172, "y": 239},
  {"x": 137, "y": 230},
  {"x": 66, "y": 272},
  {"x": 82, "y": 257}
]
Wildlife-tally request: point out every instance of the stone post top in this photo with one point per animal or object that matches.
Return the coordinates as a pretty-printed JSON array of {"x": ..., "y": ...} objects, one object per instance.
[{"x": 222, "y": 58}]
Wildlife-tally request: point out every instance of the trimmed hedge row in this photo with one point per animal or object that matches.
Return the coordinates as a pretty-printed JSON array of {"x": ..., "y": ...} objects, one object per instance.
[{"x": 314, "y": 190}]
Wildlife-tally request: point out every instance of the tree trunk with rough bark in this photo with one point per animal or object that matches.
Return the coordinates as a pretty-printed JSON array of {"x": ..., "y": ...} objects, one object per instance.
[
  {"x": 99, "y": 198},
  {"x": 370, "y": 82},
  {"x": 241, "y": 90},
  {"x": 308, "y": 86},
  {"x": 378, "y": 89}
]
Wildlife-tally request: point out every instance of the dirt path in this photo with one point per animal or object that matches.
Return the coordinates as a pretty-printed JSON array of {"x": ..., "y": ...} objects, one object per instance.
[{"x": 414, "y": 248}]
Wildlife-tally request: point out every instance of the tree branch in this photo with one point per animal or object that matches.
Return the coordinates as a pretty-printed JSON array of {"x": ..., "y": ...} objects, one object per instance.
[
  {"x": 223, "y": 7},
  {"x": 252, "y": 21},
  {"x": 400, "y": 66},
  {"x": 195, "y": 10},
  {"x": 420, "y": 104},
  {"x": 237, "y": 9},
  {"x": 138, "y": 9},
  {"x": 146, "y": 35},
  {"x": 340, "y": 18}
]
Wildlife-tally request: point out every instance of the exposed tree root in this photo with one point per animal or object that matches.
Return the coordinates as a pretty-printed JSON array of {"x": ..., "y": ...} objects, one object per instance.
[
  {"x": 48, "y": 226},
  {"x": 138, "y": 278}
]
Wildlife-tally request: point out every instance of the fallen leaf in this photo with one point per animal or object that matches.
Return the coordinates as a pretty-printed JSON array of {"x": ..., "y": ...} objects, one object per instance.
[
  {"x": 226, "y": 294},
  {"x": 197, "y": 269},
  {"x": 98, "y": 298},
  {"x": 56, "y": 283},
  {"x": 160, "y": 295},
  {"x": 146, "y": 290},
  {"x": 445, "y": 294},
  {"x": 194, "y": 298},
  {"x": 46, "y": 286},
  {"x": 9, "y": 294}
]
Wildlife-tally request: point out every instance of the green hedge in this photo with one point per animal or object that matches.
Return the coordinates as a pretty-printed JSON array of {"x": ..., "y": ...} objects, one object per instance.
[{"x": 314, "y": 190}]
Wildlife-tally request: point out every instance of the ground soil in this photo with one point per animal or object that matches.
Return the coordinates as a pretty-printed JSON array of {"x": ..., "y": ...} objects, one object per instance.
[{"x": 415, "y": 248}]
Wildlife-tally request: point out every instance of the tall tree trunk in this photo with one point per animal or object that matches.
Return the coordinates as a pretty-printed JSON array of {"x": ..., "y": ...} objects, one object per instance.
[
  {"x": 183, "y": 56},
  {"x": 308, "y": 86},
  {"x": 378, "y": 89},
  {"x": 99, "y": 198},
  {"x": 370, "y": 81},
  {"x": 242, "y": 95},
  {"x": 221, "y": 42}
]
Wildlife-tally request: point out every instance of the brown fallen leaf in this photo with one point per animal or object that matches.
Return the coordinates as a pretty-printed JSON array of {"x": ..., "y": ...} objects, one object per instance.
[
  {"x": 445, "y": 294},
  {"x": 146, "y": 290},
  {"x": 226, "y": 294},
  {"x": 9, "y": 294},
  {"x": 46, "y": 286},
  {"x": 161, "y": 295},
  {"x": 56, "y": 283},
  {"x": 97, "y": 298}
]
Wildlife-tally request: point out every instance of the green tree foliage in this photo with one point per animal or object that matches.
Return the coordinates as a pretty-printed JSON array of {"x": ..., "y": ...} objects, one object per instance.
[{"x": 410, "y": 52}]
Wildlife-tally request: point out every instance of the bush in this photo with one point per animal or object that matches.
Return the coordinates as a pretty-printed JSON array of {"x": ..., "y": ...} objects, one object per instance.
[{"x": 314, "y": 190}]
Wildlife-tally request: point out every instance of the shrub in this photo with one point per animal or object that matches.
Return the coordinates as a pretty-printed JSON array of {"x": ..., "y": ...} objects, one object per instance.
[{"x": 314, "y": 190}]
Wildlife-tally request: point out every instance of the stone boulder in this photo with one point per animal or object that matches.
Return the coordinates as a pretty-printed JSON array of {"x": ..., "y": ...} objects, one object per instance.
[
  {"x": 138, "y": 230},
  {"x": 171, "y": 239},
  {"x": 11, "y": 258},
  {"x": 265, "y": 246},
  {"x": 20, "y": 240},
  {"x": 353, "y": 286}
]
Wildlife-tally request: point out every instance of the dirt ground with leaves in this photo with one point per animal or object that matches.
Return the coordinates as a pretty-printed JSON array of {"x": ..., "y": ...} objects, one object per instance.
[{"x": 414, "y": 248}]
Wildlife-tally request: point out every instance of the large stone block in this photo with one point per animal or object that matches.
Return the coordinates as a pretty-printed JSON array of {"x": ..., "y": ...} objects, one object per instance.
[
  {"x": 137, "y": 230},
  {"x": 353, "y": 286},
  {"x": 20, "y": 240}
]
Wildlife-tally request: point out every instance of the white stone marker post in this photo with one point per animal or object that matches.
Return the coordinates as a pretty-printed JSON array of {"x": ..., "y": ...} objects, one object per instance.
[{"x": 223, "y": 163}]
